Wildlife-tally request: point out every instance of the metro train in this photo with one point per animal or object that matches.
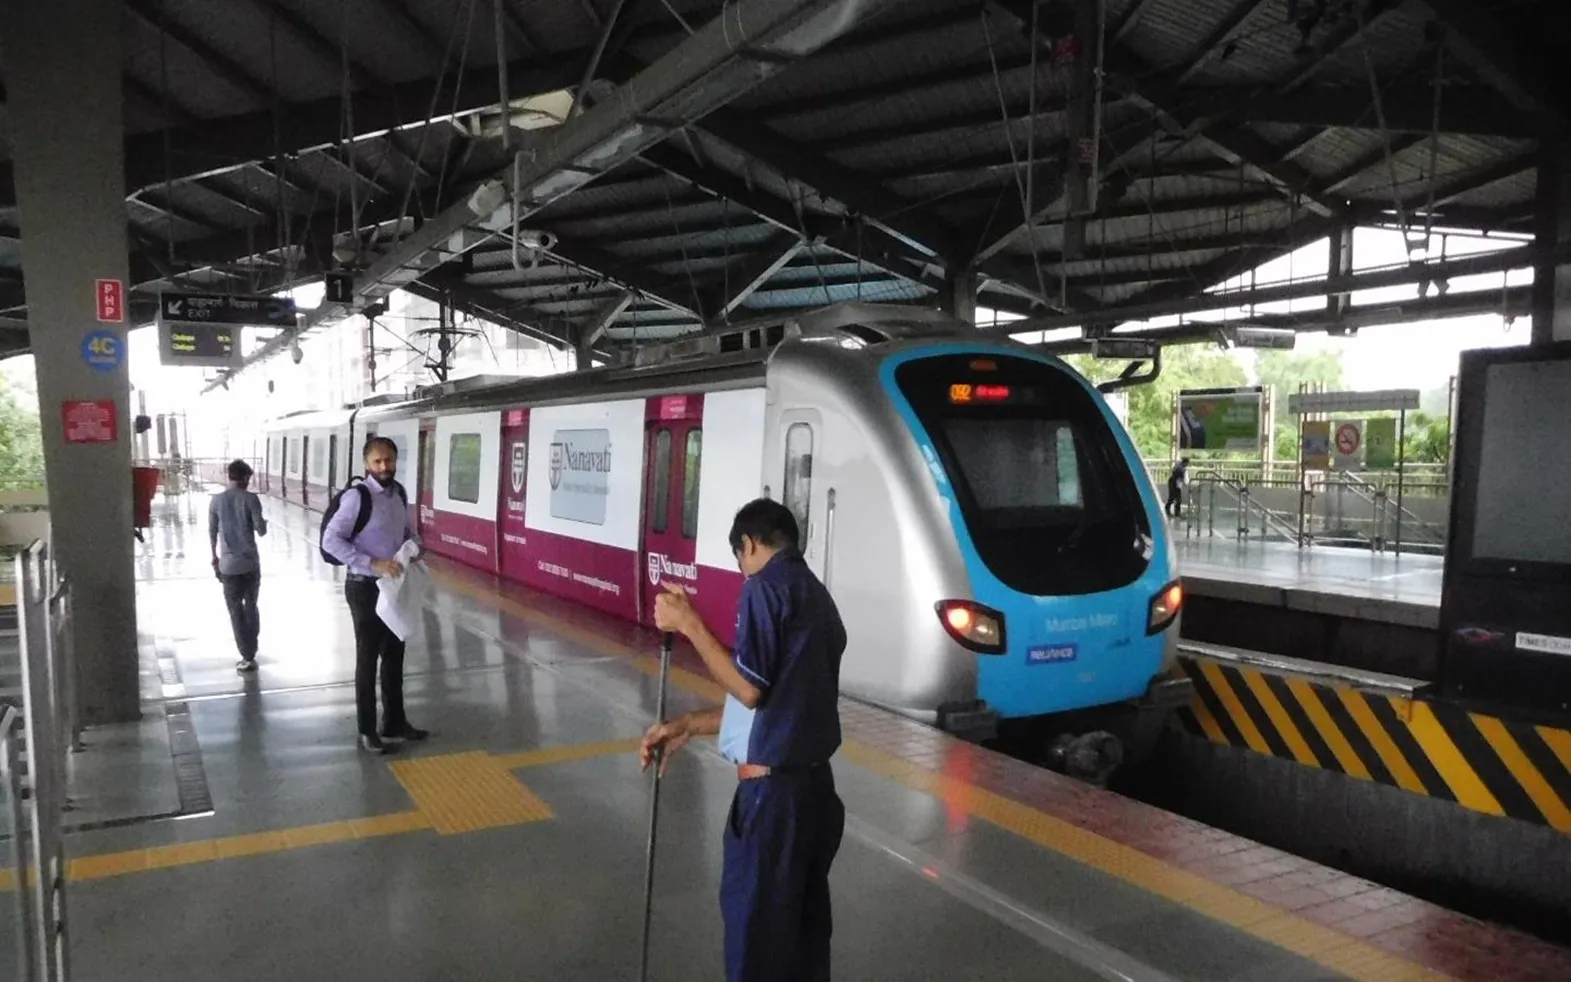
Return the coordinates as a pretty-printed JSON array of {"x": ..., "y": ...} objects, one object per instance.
[{"x": 998, "y": 554}]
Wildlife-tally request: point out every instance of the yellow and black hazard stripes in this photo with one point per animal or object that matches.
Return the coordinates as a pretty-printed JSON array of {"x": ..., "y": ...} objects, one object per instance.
[{"x": 1484, "y": 763}]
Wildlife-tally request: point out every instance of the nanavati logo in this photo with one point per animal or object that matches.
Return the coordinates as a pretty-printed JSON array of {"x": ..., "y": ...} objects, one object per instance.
[
  {"x": 520, "y": 466},
  {"x": 660, "y": 564},
  {"x": 558, "y": 461},
  {"x": 565, "y": 458}
]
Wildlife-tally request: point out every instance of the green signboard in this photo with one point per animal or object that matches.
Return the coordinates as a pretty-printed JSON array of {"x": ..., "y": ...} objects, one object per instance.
[
  {"x": 1220, "y": 419},
  {"x": 1380, "y": 444}
]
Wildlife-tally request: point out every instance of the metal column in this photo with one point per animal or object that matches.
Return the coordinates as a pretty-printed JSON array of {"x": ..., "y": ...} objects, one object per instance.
[
  {"x": 1552, "y": 281},
  {"x": 63, "y": 81}
]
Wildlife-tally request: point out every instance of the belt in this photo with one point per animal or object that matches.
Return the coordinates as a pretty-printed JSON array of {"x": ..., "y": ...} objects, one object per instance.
[
  {"x": 359, "y": 578},
  {"x": 749, "y": 772}
]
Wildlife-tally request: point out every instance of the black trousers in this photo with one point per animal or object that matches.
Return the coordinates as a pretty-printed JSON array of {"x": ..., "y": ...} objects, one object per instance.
[
  {"x": 240, "y": 590},
  {"x": 1175, "y": 500},
  {"x": 374, "y": 644},
  {"x": 781, "y": 838}
]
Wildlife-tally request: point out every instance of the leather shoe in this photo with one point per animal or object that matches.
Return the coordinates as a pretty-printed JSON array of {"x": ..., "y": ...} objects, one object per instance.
[
  {"x": 406, "y": 732},
  {"x": 372, "y": 744}
]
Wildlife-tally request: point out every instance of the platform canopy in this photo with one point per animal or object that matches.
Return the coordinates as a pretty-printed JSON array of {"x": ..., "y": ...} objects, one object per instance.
[{"x": 927, "y": 151}]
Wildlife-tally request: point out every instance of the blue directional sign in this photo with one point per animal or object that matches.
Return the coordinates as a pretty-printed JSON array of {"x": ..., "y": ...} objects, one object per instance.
[{"x": 103, "y": 351}]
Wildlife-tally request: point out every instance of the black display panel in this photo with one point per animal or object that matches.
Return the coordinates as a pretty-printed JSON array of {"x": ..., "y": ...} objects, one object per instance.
[{"x": 1505, "y": 616}]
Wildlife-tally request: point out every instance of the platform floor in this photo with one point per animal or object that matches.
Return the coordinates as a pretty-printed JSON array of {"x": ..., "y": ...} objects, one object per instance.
[
  {"x": 511, "y": 845},
  {"x": 1354, "y": 583}
]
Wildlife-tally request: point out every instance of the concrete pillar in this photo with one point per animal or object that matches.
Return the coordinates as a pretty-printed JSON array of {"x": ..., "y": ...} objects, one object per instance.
[
  {"x": 62, "y": 74},
  {"x": 1551, "y": 280}
]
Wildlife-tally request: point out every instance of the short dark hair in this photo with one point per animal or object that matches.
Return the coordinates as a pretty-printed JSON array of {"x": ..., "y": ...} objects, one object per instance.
[
  {"x": 375, "y": 441},
  {"x": 769, "y": 523},
  {"x": 239, "y": 470}
]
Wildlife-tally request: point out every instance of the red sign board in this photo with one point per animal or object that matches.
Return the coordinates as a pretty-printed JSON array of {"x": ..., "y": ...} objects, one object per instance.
[
  {"x": 1347, "y": 439},
  {"x": 90, "y": 421},
  {"x": 111, "y": 301},
  {"x": 673, "y": 407}
]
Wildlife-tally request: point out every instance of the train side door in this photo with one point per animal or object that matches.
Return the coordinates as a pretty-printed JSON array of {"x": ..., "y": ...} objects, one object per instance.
[
  {"x": 673, "y": 457},
  {"x": 425, "y": 479},
  {"x": 305, "y": 470},
  {"x": 332, "y": 463},
  {"x": 801, "y": 490}
]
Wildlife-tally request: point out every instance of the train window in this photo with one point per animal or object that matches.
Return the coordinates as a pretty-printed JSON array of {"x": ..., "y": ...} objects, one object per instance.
[
  {"x": 798, "y": 473},
  {"x": 427, "y": 468},
  {"x": 1048, "y": 499},
  {"x": 695, "y": 450},
  {"x": 660, "y": 506},
  {"x": 463, "y": 467},
  {"x": 319, "y": 461}
]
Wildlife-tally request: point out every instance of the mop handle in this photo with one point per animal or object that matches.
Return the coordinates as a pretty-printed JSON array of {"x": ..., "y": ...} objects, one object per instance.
[{"x": 666, "y": 641}]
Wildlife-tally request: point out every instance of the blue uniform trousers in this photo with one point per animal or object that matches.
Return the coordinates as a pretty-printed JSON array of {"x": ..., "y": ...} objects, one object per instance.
[{"x": 780, "y": 840}]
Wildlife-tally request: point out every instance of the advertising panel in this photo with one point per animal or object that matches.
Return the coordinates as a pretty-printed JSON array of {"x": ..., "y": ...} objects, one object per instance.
[
  {"x": 1220, "y": 419},
  {"x": 1316, "y": 449},
  {"x": 580, "y": 471},
  {"x": 1380, "y": 444}
]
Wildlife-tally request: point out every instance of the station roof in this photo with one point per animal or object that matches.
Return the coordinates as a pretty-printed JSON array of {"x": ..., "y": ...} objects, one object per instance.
[{"x": 918, "y": 139}]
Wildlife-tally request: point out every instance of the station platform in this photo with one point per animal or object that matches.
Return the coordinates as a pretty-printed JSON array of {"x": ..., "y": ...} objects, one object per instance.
[
  {"x": 1354, "y": 583},
  {"x": 1377, "y": 612},
  {"x": 237, "y": 832}
]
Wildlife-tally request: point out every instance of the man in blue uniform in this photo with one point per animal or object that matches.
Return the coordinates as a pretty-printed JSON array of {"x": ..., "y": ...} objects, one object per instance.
[{"x": 780, "y": 725}]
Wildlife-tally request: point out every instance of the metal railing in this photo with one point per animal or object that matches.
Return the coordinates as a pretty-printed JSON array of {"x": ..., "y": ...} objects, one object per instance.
[
  {"x": 1211, "y": 496},
  {"x": 33, "y": 742}
]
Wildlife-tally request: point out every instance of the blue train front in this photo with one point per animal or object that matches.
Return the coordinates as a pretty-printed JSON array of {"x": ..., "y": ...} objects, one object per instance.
[{"x": 1013, "y": 572}]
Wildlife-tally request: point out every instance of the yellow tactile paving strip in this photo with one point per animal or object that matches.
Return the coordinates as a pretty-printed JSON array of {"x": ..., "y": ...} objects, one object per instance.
[
  {"x": 455, "y": 793},
  {"x": 468, "y": 792}
]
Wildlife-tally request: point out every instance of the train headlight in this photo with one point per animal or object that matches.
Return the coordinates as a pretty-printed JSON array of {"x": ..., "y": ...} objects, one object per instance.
[
  {"x": 978, "y": 628},
  {"x": 1165, "y": 606}
]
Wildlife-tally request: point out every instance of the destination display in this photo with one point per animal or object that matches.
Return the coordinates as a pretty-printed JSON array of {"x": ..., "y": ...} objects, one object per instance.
[{"x": 199, "y": 345}]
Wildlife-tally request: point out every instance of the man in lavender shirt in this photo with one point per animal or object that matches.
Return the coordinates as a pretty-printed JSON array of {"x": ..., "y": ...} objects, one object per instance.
[{"x": 367, "y": 557}]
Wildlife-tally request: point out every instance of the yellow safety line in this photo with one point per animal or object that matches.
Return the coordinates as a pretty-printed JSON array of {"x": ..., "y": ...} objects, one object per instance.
[
  {"x": 1332, "y": 734},
  {"x": 1454, "y": 769},
  {"x": 1559, "y": 742},
  {"x": 1235, "y": 709},
  {"x": 1510, "y": 753},
  {"x": 1284, "y": 723},
  {"x": 1338, "y": 952},
  {"x": 467, "y": 792},
  {"x": 1375, "y": 732}
]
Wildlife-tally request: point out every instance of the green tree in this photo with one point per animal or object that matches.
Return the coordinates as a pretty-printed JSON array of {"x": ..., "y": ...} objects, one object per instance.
[
  {"x": 21, "y": 442},
  {"x": 1428, "y": 439},
  {"x": 1191, "y": 366},
  {"x": 1283, "y": 372}
]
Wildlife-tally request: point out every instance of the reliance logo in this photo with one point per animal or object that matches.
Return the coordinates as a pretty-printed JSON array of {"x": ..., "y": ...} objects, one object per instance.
[
  {"x": 661, "y": 565},
  {"x": 565, "y": 458}
]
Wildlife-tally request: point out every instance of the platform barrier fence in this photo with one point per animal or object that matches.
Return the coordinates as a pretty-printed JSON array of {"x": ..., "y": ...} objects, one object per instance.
[{"x": 34, "y": 738}]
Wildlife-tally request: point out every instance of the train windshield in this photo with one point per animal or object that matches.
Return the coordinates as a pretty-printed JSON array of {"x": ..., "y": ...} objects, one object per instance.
[{"x": 1049, "y": 500}]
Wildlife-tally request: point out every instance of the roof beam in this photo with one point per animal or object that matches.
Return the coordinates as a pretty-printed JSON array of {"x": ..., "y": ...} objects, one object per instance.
[
  {"x": 498, "y": 310},
  {"x": 742, "y": 283},
  {"x": 593, "y": 328},
  {"x": 217, "y": 145},
  {"x": 643, "y": 282},
  {"x": 1209, "y": 49},
  {"x": 1516, "y": 67},
  {"x": 1520, "y": 257},
  {"x": 222, "y": 65}
]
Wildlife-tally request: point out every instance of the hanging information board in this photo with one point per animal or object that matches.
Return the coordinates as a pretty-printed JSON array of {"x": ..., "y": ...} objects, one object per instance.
[{"x": 1316, "y": 449}]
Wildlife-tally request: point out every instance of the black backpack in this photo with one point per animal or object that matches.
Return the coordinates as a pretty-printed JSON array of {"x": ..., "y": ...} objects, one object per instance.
[{"x": 357, "y": 484}]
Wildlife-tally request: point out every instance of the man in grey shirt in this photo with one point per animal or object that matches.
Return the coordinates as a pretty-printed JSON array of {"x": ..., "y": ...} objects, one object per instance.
[{"x": 234, "y": 518}]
